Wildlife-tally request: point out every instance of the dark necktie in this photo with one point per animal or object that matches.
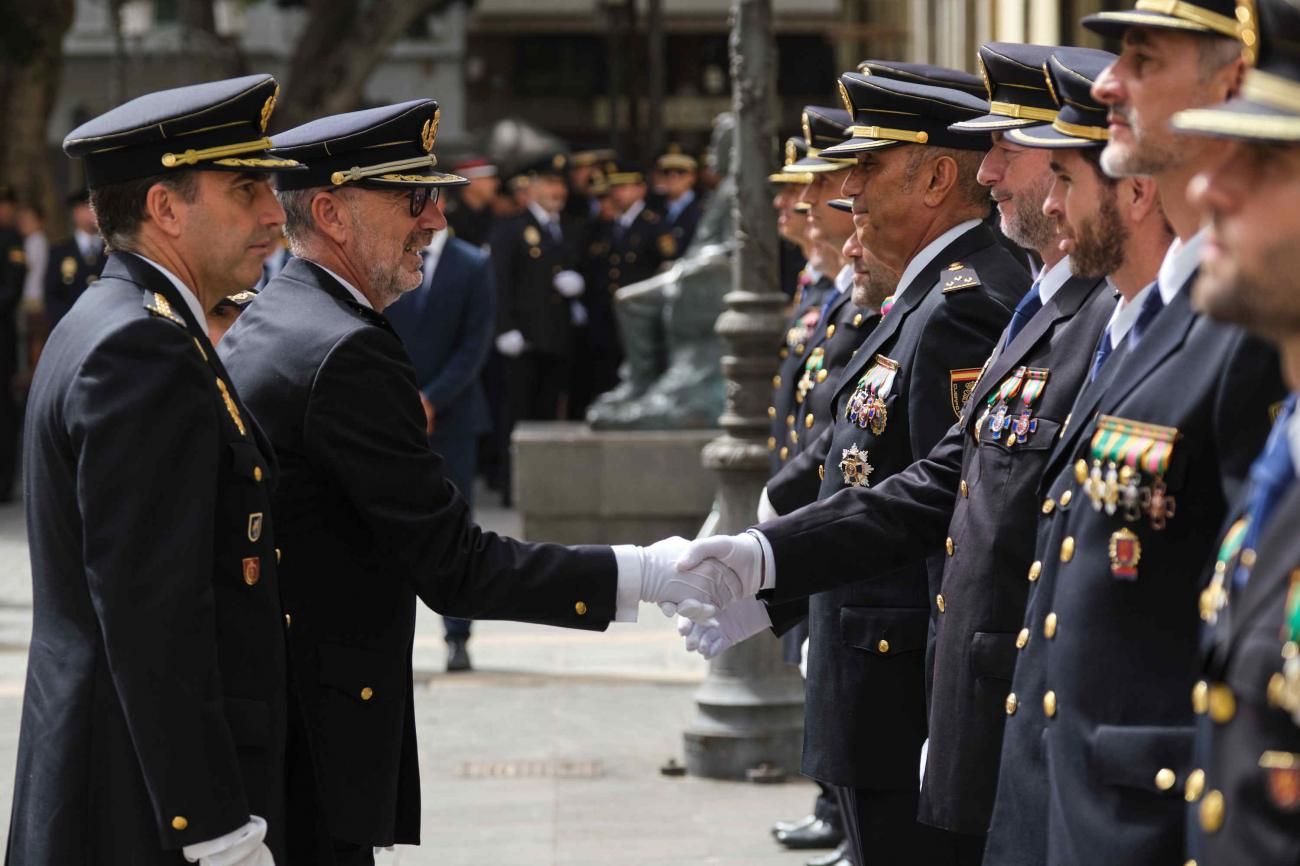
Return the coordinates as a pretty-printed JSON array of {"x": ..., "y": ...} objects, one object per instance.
[
  {"x": 1104, "y": 348},
  {"x": 553, "y": 229},
  {"x": 1271, "y": 475},
  {"x": 1153, "y": 303},
  {"x": 1031, "y": 303}
]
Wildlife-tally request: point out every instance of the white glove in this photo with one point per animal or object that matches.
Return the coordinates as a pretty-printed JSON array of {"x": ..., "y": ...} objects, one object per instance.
[
  {"x": 569, "y": 284},
  {"x": 242, "y": 847},
  {"x": 733, "y": 624},
  {"x": 511, "y": 343},
  {"x": 741, "y": 555},
  {"x": 698, "y": 593},
  {"x": 765, "y": 510},
  {"x": 577, "y": 314}
]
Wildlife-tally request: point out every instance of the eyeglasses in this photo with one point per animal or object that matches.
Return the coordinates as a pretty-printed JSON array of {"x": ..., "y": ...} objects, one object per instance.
[{"x": 422, "y": 197}]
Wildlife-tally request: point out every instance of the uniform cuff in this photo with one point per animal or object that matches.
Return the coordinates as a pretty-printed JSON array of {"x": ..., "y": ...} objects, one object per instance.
[
  {"x": 628, "y": 597},
  {"x": 769, "y": 561},
  {"x": 254, "y": 831}
]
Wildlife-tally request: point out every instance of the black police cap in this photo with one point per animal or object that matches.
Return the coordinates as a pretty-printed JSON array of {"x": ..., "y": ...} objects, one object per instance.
[
  {"x": 888, "y": 112},
  {"x": 1016, "y": 88},
  {"x": 219, "y": 126},
  {"x": 1213, "y": 17},
  {"x": 551, "y": 164},
  {"x": 389, "y": 146},
  {"x": 823, "y": 127},
  {"x": 795, "y": 149},
  {"x": 1268, "y": 107},
  {"x": 1081, "y": 122},
  {"x": 924, "y": 73},
  {"x": 623, "y": 172}
]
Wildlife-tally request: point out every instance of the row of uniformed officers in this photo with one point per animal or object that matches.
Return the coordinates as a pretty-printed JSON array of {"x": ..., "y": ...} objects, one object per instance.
[
  {"x": 228, "y": 541},
  {"x": 1041, "y": 527}
]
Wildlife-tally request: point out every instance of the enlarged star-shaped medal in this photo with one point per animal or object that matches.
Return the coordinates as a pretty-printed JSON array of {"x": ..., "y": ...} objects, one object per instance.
[{"x": 855, "y": 468}]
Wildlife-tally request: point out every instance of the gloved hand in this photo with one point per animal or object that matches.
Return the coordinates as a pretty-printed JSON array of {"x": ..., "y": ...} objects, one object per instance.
[
  {"x": 733, "y": 624},
  {"x": 765, "y": 510},
  {"x": 741, "y": 555},
  {"x": 577, "y": 314},
  {"x": 698, "y": 593},
  {"x": 569, "y": 284},
  {"x": 511, "y": 343},
  {"x": 241, "y": 847}
]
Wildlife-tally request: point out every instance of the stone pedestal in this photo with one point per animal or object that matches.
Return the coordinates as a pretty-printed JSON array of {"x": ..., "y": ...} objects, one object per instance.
[{"x": 574, "y": 485}]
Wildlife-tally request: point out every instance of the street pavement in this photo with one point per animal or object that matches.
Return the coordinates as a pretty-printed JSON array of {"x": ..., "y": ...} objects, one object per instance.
[{"x": 547, "y": 754}]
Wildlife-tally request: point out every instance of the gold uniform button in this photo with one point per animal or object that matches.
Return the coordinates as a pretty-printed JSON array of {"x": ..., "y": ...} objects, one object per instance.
[
  {"x": 257, "y": 476},
  {"x": 794, "y": 438},
  {"x": 938, "y": 601},
  {"x": 580, "y": 608},
  {"x": 771, "y": 411},
  {"x": 799, "y": 348},
  {"x": 965, "y": 489},
  {"x": 830, "y": 331},
  {"x": 1194, "y": 786},
  {"x": 771, "y": 443},
  {"x": 822, "y": 374},
  {"x": 1065, "y": 498},
  {"x": 1049, "y": 626},
  {"x": 883, "y": 646},
  {"x": 367, "y": 693},
  {"x": 288, "y": 620},
  {"x": 1081, "y": 471},
  {"x": 1022, "y": 639},
  {"x": 1011, "y": 440},
  {"x": 821, "y": 473},
  {"x": 1067, "y": 549},
  {"x": 776, "y": 381},
  {"x": 1012, "y": 704},
  {"x": 180, "y": 822},
  {"x": 1049, "y": 505},
  {"x": 783, "y": 353},
  {"x": 1248, "y": 558},
  {"x": 808, "y": 420},
  {"x": 1049, "y": 704},
  {"x": 789, "y": 420},
  {"x": 1276, "y": 690},
  {"x": 1035, "y": 569},
  {"x": 277, "y": 556},
  {"x": 857, "y": 320},
  {"x": 1212, "y": 812},
  {"x": 785, "y": 452},
  {"x": 948, "y": 545},
  {"x": 1222, "y": 704},
  {"x": 613, "y": 273},
  {"x": 1201, "y": 697},
  {"x": 1165, "y": 779}
]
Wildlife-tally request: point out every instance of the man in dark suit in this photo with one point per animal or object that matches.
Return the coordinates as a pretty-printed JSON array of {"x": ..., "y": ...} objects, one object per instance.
[
  {"x": 155, "y": 711},
  {"x": 469, "y": 211},
  {"x": 1096, "y": 754},
  {"x": 365, "y": 515},
  {"x": 75, "y": 263},
  {"x": 919, "y": 209},
  {"x": 1243, "y": 790},
  {"x": 446, "y": 325},
  {"x": 676, "y": 174}
]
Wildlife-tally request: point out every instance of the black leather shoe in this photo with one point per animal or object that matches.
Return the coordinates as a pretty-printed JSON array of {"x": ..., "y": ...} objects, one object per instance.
[
  {"x": 786, "y": 826},
  {"x": 457, "y": 656},
  {"x": 818, "y": 834},
  {"x": 838, "y": 857}
]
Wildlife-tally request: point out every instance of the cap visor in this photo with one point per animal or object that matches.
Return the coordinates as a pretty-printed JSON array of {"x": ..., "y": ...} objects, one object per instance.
[
  {"x": 991, "y": 123},
  {"x": 430, "y": 178},
  {"x": 854, "y": 146},
  {"x": 1242, "y": 119},
  {"x": 802, "y": 177},
  {"x": 817, "y": 165},
  {"x": 1046, "y": 136},
  {"x": 1113, "y": 24},
  {"x": 844, "y": 204}
]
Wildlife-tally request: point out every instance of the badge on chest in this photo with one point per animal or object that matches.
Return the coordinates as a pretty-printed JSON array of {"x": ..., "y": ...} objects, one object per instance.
[
  {"x": 1127, "y": 474},
  {"x": 867, "y": 405},
  {"x": 1010, "y": 409}
]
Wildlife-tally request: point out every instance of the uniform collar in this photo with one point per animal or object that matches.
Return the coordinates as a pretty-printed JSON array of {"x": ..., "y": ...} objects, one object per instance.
[
  {"x": 629, "y": 216},
  {"x": 1051, "y": 280},
  {"x": 351, "y": 289},
  {"x": 541, "y": 214},
  {"x": 191, "y": 300},
  {"x": 1180, "y": 261},
  {"x": 922, "y": 260},
  {"x": 844, "y": 279}
]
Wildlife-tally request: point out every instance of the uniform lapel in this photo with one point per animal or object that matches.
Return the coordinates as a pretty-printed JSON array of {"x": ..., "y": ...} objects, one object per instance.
[
  {"x": 1166, "y": 333},
  {"x": 1279, "y": 550}
]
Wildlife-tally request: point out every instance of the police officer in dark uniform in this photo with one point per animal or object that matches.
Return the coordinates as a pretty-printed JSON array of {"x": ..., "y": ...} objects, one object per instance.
[
  {"x": 366, "y": 518},
  {"x": 1096, "y": 753},
  {"x": 675, "y": 179},
  {"x": 1244, "y": 790},
  {"x": 154, "y": 716},
  {"x": 893, "y": 401},
  {"x": 75, "y": 263}
]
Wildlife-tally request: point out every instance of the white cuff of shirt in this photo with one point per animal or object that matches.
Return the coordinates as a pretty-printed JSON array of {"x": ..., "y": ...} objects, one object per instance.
[
  {"x": 255, "y": 827},
  {"x": 769, "y": 561},
  {"x": 628, "y": 597}
]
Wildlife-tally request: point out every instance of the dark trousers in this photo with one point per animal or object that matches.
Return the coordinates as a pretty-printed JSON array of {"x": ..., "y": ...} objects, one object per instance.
[
  {"x": 459, "y": 454},
  {"x": 535, "y": 384},
  {"x": 882, "y": 830},
  {"x": 827, "y": 806},
  {"x": 347, "y": 854}
]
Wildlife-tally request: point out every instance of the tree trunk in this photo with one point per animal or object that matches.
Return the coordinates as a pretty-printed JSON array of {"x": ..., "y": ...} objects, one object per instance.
[
  {"x": 31, "y": 43},
  {"x": 342, "y": 44}
]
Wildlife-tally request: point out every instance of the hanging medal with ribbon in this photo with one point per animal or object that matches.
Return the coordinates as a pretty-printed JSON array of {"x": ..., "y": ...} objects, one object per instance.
[
  {"x": 813, "y": 373},
  {"x": 1215, "y": 596},
  {"x": 1025, "y": 423},
  {"x": 1129, "y": 463},
  {"x": 1000, "y": 401},
  {"x": 866, "y": 406}
]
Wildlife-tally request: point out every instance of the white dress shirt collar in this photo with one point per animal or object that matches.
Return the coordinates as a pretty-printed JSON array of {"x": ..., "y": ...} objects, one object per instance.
[
  {"x": 1051, "y": 280},
  {"x": 542, "y": 215},
  {"x": 1180, "y": 261},
  {"x": 626, "y": 218},
  {"x": 922, "y": 260},
  {"x": 1293, "y": 437},
  {"x": 844, "y": 279},
  {"x": 1125, "y": 314},
  {"x": 191, "y": 300},
  {"x": 352, "y": 290}
]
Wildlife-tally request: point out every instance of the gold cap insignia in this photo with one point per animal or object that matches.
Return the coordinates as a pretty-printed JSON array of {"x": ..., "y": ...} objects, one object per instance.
[
  {"x": 430, "y": 132},
  {"x": 984, "y": 74},
  {"x": 791, "y": 152},
  {"x": 807, "y": 130},
  {"x": 68, "y": 267},
  {"x": 844, "y": 97},
  {"x": 268, "y": 107},
  {"x": 557, "y": 162}
]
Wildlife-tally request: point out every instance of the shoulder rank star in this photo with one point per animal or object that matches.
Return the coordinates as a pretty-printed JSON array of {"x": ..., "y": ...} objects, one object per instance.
[{"x": 855, "y": 468}]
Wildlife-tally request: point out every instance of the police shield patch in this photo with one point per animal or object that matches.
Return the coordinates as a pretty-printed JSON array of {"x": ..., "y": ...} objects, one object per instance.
[
  {"x": 960, "y": 385},
  {"x": 254, "y": 526}
]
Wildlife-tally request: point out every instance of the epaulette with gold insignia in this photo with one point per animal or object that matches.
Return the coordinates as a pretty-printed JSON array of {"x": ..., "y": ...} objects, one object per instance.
[
  {"x": 244, "y": 297},
  {"x": 157, "y": 304},
  {"x": 958, "y": 276}
]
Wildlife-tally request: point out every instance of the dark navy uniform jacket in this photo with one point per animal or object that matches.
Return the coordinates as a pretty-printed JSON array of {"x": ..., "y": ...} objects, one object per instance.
[
  {"x": 797, "y": 341},
  {"x": 67, "y": 276},
  {"x": 527, "y": 258},
  {"x": 367, "y": 522},
  {"x": 154, "y": 714},
  {"x": 934, "y": 339},
  {"x": 1097, "y": 746}
]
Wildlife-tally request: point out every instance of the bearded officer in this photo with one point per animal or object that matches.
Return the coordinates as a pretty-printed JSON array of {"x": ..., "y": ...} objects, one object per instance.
[
  {"x": 154, "y": 714},
  {"x": 366, "y": 518}
]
